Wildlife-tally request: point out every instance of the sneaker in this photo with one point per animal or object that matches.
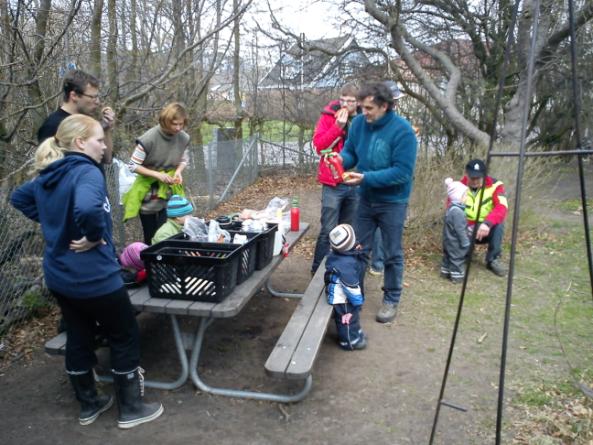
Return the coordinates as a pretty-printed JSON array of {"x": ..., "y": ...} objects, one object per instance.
[
  {"x": 375, "y": 272},
  {"x": 387, "y": 312},
  {"x": 361, "y": 344},
  {"x": 445, "y": 274},
  {"x": 456, "y": 280},
  {"x": 497, "y": 268}
]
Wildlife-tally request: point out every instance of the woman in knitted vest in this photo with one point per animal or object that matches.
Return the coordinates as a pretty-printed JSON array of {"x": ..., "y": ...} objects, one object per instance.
[{"x": 159, "y": 158}]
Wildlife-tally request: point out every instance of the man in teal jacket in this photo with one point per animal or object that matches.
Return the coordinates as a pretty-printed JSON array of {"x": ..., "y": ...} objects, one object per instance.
[{"x": 381, "y": 145}]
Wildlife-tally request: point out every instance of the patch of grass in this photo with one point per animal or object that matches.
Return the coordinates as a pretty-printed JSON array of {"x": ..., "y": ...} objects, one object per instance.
[
  {"x": 575, "y": 205},
  {"x": 533, "y": 397},
  {"x": 275, "y": 131},
  {"x": 35, "y": 302}
]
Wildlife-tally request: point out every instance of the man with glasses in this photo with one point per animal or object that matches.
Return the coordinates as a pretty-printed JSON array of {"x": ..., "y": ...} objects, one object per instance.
[
  {"x": 338, "y": 201},
  {"x": 81, "y": 96}
]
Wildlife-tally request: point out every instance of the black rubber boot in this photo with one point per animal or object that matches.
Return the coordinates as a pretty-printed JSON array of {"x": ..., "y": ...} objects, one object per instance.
[
  {"x": 92, "y": 404},
  {"x": 129, "y": 389}
]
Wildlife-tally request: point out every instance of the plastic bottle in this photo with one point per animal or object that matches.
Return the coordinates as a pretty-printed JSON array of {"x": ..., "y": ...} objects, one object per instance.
[
  {"x": 295, "y": 215},
  {"x": 279, "y": 233},
  {"x": 335, "y": 166}
]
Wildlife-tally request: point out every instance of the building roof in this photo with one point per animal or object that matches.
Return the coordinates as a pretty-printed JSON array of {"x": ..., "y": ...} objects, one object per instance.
[{"x": 315, "y": 66}]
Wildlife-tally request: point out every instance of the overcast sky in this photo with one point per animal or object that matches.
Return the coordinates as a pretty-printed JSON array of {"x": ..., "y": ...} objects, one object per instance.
[{"x": 314, "y": 18}]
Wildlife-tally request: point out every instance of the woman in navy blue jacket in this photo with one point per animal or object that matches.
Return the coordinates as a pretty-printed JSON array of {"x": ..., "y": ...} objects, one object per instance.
[{"x": 69, "y": 199}]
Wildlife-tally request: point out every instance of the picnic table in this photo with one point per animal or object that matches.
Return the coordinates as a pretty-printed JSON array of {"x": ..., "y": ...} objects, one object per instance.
[{"x": 293, "y": 356}]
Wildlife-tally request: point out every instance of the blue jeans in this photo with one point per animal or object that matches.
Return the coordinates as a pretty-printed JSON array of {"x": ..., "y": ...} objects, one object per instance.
[
  {"x": 390, "y": 218},
  {"x": 377, "y": 254},
  {"x": 338, "y": 206}
]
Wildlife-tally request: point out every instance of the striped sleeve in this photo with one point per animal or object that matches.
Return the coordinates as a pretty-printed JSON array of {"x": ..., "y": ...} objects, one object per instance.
[
  {"x": 137, "y": 157},
  {"x": 185, "y": 157}
]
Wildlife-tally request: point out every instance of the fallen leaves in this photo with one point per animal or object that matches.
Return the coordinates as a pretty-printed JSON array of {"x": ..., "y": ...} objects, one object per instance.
[
  {"x": 22, "y": 340},
  {"x": 568, "y": 419}
]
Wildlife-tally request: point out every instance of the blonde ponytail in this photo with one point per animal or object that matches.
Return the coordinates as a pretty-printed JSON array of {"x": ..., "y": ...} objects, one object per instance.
[{"x": 48, "y": 152}]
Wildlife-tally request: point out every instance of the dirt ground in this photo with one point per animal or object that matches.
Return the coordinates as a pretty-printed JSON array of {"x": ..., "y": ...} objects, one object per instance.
[{"x": 385, "y": 394}]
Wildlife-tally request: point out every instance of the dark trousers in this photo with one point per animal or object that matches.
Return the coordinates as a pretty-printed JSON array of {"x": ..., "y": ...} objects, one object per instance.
[
  {"x": 151, "y": 223},
  {"x": 115, "y": 314},
  {"x": 350, "y": 333},
  {"x": 338, "y": 206},
  {"x": 494, "y": 241}
]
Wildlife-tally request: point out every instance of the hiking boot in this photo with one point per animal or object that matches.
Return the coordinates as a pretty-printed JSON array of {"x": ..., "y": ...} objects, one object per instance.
[
  {"x": 497, "y": 268},
  {"x": 387, "y": 312},
  {"x": 375, "y": 272}
]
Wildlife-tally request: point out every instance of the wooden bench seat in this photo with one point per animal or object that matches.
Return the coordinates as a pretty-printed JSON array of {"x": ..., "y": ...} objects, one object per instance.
[
  {"x": 56, "y": 345},
  {"x": 295, "y": 352}
]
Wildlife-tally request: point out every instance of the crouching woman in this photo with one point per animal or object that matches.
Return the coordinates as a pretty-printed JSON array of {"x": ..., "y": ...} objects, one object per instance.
[{"x": 69, "y": 199}]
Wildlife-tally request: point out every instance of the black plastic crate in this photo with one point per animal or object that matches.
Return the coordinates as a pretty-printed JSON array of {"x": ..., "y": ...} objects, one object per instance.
[
  {"x": 246, "y": 264},
  {"x": 266, "y": 246},
  {"x": 191, "y": 270},
  {"x": 248, "y": 258},
  {"x": 264, "y": 242}
]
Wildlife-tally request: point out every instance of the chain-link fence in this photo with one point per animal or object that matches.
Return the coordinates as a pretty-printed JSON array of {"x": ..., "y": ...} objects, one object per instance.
[{"x": 216, "y": 172}]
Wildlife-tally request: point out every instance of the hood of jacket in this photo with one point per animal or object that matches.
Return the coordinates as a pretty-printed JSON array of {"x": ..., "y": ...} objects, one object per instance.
[
  {"x": 50, "y": 176},
  {"x": 331, "y": 108}
]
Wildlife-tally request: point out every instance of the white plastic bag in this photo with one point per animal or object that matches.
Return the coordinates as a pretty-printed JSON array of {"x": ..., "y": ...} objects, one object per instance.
[
  {"x": 125, "y": 178},
  {"x": 215, "y": 232},
  {"x": 274, "y": 205},
  {"x": 196, "y": 229}
]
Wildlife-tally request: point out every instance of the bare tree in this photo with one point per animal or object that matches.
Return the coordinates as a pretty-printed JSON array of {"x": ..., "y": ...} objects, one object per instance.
[
  {"x": 448, "y": 56},
  {"x": 487, "y": 33}
]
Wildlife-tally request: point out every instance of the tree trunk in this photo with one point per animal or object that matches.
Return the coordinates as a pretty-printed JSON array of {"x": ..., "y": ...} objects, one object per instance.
[
  {"x": 95, "y": 50},
  {"x": 178, "y": 45},
  {"x": 112, "y": 53},
  {"x": 35, "y": 93},
  {"x": 134, "y": 72}
]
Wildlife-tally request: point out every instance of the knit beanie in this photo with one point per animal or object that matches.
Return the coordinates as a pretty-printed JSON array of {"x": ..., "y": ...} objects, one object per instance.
[
  {"x": 130, "y": 256},
  {"x": 342, "y": 238},
  {"x": 455, "y": 190},
  {"x": 178, "y": 206}
]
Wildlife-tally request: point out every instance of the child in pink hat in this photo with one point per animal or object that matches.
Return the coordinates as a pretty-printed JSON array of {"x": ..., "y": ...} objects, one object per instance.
[
  {"x": 455, "y": 235},
  {"x": 133, "y": 271}
]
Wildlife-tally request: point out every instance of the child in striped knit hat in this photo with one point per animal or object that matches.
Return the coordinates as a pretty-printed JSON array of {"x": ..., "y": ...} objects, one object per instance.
[
  {"x": 178, "y": 209},
  {"x": 343, "y": 268}
]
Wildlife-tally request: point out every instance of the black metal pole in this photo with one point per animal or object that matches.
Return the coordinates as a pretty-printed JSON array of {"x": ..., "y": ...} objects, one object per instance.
[
  {"x": 516, "y": 213},
  {"x": 576, "y": 98}
]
